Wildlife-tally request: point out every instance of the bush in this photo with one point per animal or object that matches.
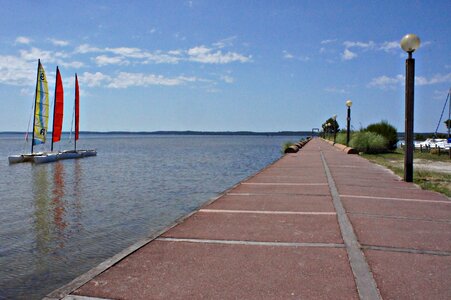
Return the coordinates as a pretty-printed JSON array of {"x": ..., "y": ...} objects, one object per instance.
[
  {"x": 341, "y": 138},
  {"x": 368, "y": 142},
  {"x": 387, "y": 131}
]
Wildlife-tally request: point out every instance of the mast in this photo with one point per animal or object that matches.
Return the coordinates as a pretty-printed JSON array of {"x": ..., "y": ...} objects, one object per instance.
[
  {"x": 449, "y": 116},
  {"x": 77, "y": 110},
  {"x": 54, "y": 108},
  {"x": 34, "y": 111}
]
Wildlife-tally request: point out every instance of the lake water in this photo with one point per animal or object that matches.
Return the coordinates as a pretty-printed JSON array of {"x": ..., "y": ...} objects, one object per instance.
[{"x": 59, "y": 220}]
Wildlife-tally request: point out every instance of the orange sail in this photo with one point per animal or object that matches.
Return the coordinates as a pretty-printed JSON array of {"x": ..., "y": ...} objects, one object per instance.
[
  {"x": 58, "y": 110},
  {"x": 77, "y": 107}
]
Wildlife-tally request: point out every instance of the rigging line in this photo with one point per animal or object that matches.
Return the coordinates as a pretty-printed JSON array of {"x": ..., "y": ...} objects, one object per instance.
[
  {"x": 71, "y": 125},
  {"x": 28, "y": 128},
  {"x": 441, "y": 116}
]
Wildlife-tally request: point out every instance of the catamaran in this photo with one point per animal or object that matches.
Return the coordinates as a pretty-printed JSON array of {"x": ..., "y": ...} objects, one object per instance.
[
  {"x": 40, "y": 122},
  {"x": 40, "y": 118},
  {"x": 67, "y": 154}
]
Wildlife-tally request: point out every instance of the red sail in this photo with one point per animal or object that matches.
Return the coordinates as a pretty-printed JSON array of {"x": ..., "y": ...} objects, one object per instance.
[
  {"x": 58, "y": 111},
  {"x": 77, "y": 106}
]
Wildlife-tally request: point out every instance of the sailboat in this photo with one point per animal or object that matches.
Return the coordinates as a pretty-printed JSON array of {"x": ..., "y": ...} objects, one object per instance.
[
  {"x": 40, "y": 122},
  {"x": 57, "y": 125},
  {"x": 57, "y": 128},
  {"x": 67, "y": 154},
  {"x": 40, "y": 118}
]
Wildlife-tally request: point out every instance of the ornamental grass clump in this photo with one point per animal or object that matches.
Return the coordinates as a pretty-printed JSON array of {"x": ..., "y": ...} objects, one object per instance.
[
  {"x": 368, "y": 142},
  {"x": 387, "y": 131}
]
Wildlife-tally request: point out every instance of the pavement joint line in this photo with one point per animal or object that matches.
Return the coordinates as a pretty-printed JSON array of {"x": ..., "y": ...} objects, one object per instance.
[
  {"x": 366, "y": 285},
  {"x": 275, "y": 194},
  {"x": 406, "y": 250},
  {"x": 372, "y": 186},
  {"x": 395, "y": 199},
  {"x": 76, "y": 297},
  {"x": 282, "y": 183},
  {"x": 266, "y": 212},
  {"x": 379, "y": 216},
  {"x": 251, "y": 243}
]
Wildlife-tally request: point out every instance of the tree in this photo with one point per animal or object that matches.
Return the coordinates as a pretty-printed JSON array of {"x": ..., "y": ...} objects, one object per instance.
[
  {"x": 330, "y": 126},
  {"x": 448, "y": 123}
]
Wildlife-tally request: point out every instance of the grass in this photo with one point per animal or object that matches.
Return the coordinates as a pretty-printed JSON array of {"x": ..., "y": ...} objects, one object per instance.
[{"x": 427, "y": 180}]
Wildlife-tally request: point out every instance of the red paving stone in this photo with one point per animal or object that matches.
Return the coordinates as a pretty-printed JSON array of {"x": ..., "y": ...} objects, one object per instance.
[
  {"x": 411, "y": 276},
  {"x": 259, "y": 227},
  {"x": 179, "y": 270},
  {"x": 270, "y": 252},
  {"x": 403, "y": 233},
  {"x": 275, "y": 203},
  {"x": 421, "y": 210}
]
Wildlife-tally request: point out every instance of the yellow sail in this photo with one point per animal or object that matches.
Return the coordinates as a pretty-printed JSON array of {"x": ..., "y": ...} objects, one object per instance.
[{"x": 41, "y": 111}]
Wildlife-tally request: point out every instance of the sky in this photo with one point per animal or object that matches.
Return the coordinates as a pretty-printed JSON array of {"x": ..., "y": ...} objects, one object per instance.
[{"x": 230, "y": 65}]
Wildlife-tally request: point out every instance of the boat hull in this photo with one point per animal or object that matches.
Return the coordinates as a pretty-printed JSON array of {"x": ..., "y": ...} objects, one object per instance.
[
  {"x": 42, "y": 157},
  {"x": 46, "y": 158}
]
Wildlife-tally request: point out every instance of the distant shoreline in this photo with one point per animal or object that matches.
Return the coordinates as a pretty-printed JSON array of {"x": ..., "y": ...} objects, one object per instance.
[
  {"x": 190, "y": 132},
  {"x": 187, "y": 132}
]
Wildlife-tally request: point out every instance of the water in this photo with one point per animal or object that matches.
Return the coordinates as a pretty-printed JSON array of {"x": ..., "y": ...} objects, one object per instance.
[{"x": 61, "y": 219}]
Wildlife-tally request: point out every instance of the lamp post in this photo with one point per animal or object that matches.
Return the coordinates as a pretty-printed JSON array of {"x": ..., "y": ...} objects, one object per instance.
[
  {"x": 335, "y": 127},
  {"x": 327, "y": 130},
  {"x": 409, "y": 43},
  {"x": 348, "y": 120}
]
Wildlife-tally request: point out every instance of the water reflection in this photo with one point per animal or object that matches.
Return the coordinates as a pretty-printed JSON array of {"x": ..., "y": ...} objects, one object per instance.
[
  {"x": 58, "y": 203},
  {"x": 57, "y": 213}
]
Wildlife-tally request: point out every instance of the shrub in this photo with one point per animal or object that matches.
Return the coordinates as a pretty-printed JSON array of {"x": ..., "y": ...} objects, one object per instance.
[
  {"x": 387, "y": 131},
  {"x": 341, "y": 138},
  {"x": 368, "y": 142}
]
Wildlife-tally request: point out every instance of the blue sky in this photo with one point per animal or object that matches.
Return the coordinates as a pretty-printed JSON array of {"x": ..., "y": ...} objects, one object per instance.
[{"x": 225, "y": 65}]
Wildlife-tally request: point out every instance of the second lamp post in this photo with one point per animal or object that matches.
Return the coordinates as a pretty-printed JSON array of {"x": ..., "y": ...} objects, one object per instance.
[{"x": 348, "y": 120}]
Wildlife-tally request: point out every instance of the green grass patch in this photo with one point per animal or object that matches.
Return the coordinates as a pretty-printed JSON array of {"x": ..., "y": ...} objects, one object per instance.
[{"x": 428, "y": 180}]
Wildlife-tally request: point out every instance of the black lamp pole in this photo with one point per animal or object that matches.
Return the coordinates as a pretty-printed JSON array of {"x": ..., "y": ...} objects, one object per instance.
[
  {"x": 410, "y": 81},
  {"x": 409, "y": 43},
  {"x": 348, "y": 121}
]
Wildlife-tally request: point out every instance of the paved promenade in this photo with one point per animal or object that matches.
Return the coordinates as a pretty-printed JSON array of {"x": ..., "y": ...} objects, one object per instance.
[{"x": 318, "y": 224}]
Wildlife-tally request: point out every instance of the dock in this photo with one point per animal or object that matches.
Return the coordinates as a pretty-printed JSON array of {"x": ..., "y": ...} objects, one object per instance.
[{"x": 316, "y": 224}]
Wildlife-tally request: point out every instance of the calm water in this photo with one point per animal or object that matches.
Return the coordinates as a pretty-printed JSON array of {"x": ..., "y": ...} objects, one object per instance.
[{"x": 61, "y": 219}]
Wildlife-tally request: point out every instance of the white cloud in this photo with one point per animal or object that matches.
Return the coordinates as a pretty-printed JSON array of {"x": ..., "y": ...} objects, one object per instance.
[
  {"x": 227, "y": 42},
  {"x": 287, "y": 55},
  {"x": 34, "y": 53},
  {"x": 103, "y": 60},
  {"x": 206, "y": 55},
  {"x": 17, "y": 71},
  {"x": 363, "y": 45},
  {"x": 324, "y": 42},
  {"x": 227, "y": 79},
  {"x": 389, "y": 46},
  {"x": 348, "y": 55},
  {"x": 438, "y": 78},
  {"x": 59, "y": 42},
  {"x": 85, "y": 48},
  {"x": 93, "y": 79},
  {"x": 124, "y": 80},
  {"x": 71, "y": 64},
  {"x": 23, "y": 40},
  {"x": 386, "y": 82}
]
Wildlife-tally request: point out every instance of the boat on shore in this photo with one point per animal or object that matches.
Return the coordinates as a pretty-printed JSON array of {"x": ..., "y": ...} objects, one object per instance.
[{"x": 433, "y": 143}]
